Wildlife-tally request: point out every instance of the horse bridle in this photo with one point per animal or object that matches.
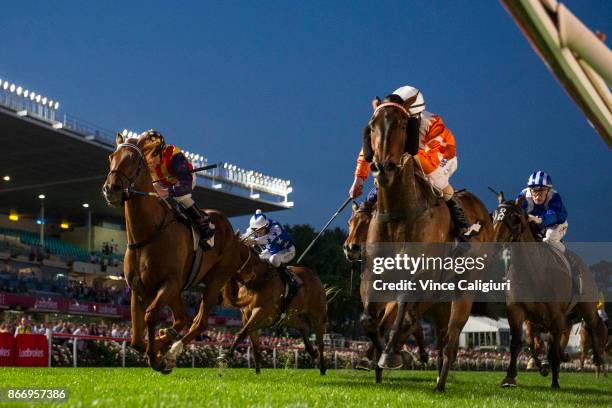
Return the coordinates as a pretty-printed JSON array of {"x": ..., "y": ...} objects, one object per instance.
[
  {"x": 502, "y": 213},
  {"x": 129, "y": 190}
]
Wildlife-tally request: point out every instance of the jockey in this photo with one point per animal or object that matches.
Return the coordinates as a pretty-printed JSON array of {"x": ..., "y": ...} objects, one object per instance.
[
  {"x": 173, "y": 181},
  {"x": 436, "y": 155},
  {"x": 545, "y": 208},
  {"x": 277, "y": 243}
]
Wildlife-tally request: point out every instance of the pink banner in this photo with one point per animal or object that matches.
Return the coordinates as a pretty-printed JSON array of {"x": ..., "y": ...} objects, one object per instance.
[
  {"x": 32, "y": 350},
  {"x": 7, "y": 350}
]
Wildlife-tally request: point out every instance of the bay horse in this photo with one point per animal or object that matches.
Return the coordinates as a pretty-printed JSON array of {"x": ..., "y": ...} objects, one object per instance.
[
  {"x": 543, "y": 269},
  {"x": 411, "y": 210},
  {"x": 586, "y": 345},
  {"x": 257, "y": 289},
  {"x": 358, "y": 225},
  {"x": 160, "y": 253}
]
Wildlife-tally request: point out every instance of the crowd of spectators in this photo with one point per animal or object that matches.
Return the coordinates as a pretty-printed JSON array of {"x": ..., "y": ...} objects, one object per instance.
[{"x": 101, "y": 329}]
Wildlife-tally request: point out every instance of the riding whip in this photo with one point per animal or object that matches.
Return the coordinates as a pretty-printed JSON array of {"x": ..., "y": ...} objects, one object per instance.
[
  {"x": 207, "y": 167},
  {"x": 342, "y": 207}
]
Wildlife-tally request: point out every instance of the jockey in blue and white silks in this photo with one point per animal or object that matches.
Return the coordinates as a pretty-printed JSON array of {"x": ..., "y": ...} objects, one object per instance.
[
  {"x": 545, "y": 208},
  {"x": 277, "y": 242}
]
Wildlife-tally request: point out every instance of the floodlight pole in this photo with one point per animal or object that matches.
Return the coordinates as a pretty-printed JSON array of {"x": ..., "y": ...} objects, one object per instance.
[
  {"x": 89, "y": 230},
  {"x": 42, "y": 223}
]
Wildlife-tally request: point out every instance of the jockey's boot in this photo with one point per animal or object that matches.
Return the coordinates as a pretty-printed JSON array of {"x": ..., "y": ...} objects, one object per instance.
[
  {"x": 464, "y": 230},
  {"x": 204, "y": 224},
  {"x": 293, "y": 285}
]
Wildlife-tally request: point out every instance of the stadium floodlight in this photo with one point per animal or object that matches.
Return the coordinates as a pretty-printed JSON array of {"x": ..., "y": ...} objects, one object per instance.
[
  {"x": 42, "y": 196},
  {"x": 124, "y": 132},
  {"x": 38, "y": 98},
  {"x": 12, "y": 88},
  {"x": 32, "y": 96},
  {"x": 64, "y": 225},
  {"x": 56, "y": 106},
  {"x": 13, "y": 217},
  {"x": 289, "y": 203},
  {"x": 19, "y": 90},
  {"x": 44, "y": 100},
  {"x": 85, "y": 205},
  {"x": 58, "y": 125},
  {"x": 23, "y": 112},
  {"x": 51, "y": 103},
  {"x": 255, "y": 196},
  {"x": 217, "y": 186},
  {"x": 26, "y": 93},
  {"x": 5, "y": 85},
  {"x": 6, "y": 178}
]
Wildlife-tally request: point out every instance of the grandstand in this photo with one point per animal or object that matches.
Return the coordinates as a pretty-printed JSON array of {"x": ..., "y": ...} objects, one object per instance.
[{"x": 58, "y": 238}]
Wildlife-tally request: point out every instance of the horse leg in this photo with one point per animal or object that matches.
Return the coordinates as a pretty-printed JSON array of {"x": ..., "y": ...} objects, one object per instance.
[
  {"x": 554, "y": 355},
  {"x": 307, "y": 344},
  {"x": 440, "y": 316},
  {"x": 138, "y": 322},
  {"x": 180, "y": 317},
  {"x": 200, "y": 322},
  {"x": 151, "y": 318},
  {"x": 417, "y": 333},
  {"x": 255, "y": 322},
  {"x": 390, "y": 357},
  {"x": 460, "y": 312},
  {"x": 372, "y": 331},
  {"x": 597, "y": 331},
  {"x": 318, "y": 325},
  {"x": 254, "y": 336},
  {"x": 516, "y": 316}
]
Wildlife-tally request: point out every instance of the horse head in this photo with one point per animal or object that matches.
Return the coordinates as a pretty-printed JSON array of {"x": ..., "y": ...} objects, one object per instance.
[
  {"x": 390, "y": 133},
  {"x": 509, "y": 220},
  {"x": 128, "y": 166},
  {"x": 358, "y": 226}
]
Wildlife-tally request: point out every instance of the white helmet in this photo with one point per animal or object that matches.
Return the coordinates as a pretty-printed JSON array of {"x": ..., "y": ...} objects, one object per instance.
[
  {"x": 406, "y": 92},
  {"x": 259, "y": 220}
]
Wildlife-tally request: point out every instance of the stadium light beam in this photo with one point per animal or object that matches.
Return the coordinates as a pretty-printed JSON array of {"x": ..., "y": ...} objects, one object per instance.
[{"x": 6, "y": 178}]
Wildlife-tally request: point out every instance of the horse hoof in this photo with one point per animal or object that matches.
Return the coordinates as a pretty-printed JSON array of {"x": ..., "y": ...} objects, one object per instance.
[
  {"x": 391, "y": 361},
  {"x": 565, "y": 358},
  {"x": 166, "y": 371},
  {"x": 508, "y": 382},
  {"x": 555, "y": 386},
  {"x": 544, "y": 369}
]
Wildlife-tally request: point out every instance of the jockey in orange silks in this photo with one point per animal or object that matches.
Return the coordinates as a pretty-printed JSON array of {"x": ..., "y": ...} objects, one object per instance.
[
  {"x": 437, "y": 156},
  {"x": 173, "y": 180}
]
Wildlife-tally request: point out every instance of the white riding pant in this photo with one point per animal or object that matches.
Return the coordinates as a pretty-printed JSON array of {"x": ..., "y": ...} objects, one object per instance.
[
  {"x": 555, "y": 234},
  {"x": 281, "y": 257},
  {"x": 440, "y": 176}
]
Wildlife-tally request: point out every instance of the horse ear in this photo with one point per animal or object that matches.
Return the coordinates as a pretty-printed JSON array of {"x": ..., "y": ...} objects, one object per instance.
[
  {"x": 500, "y": 197},
  {"x": 118, "y": 139},
  {"x": 408, "y": 102},
  {"x": 520, "y": 201},
  {"x": 412, "y": 135},
  {"x": 368, "y": 152},
  {"x": 375, "y": 102}
]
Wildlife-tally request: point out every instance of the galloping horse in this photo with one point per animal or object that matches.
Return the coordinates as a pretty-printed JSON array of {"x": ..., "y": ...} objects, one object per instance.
[
  {"x": 260, "y": 299},
  {"x": 537, "y": 270},
  {"x": 410, "y": 210},
  {"x": 160, "y": 254},
  {"x": 358, "y": 226}
]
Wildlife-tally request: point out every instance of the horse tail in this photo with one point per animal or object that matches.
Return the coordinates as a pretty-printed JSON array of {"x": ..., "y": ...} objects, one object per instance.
[{"x": 230, "y": 295}]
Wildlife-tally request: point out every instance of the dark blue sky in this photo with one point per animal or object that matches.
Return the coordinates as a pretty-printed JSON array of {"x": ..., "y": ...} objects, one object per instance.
[{"x": 285, "y": 88}]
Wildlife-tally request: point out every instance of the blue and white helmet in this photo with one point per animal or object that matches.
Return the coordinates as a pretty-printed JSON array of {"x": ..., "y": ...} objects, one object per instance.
[
  {"x": 259, "y": 220},
  {"x": 539, "y": 179}
]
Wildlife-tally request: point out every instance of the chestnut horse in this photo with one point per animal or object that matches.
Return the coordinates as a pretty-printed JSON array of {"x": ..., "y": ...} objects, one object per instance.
[
  {"x": 409, "y": 209},
  {"x": 539, "y": 269},
  {"x": 260, "y": 299},
  {"x": 160, "y": 253},
  {"x": 358, "y": 226}
]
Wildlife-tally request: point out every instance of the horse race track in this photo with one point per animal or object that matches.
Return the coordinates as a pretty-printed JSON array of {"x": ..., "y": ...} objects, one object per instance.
[{"x": 117, "y": 387}]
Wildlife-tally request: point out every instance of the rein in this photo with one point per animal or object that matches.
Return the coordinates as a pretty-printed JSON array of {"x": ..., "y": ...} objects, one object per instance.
[{"x": 251, "y": 276}]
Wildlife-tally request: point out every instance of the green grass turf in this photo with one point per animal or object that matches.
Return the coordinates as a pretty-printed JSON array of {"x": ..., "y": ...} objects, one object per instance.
[{"x": 116, "y": 387}]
